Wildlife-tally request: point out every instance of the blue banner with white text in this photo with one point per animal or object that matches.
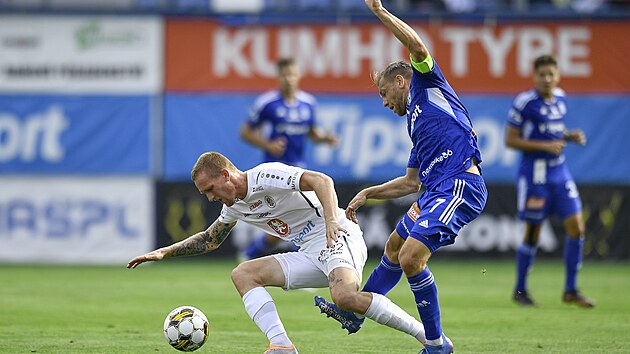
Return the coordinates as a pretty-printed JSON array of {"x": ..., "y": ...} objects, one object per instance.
[
  {"x": 374, "y": 145},
  {"x": 52, "y": 134}
]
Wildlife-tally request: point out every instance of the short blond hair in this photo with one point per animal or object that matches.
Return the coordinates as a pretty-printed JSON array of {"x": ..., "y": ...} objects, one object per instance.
[{"x": 212, "y": 163}]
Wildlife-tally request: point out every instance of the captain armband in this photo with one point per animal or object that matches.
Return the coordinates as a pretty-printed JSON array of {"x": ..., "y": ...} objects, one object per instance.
[{"x": 424, "y": 66}]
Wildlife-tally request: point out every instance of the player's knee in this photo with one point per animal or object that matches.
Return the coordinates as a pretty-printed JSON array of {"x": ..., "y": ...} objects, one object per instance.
[
  {"x": 411, "y": 264},
  {"x": 575, "y": 231},
  {"x": 574, "y": 226},
  {"x": 346, "y": 299},
  {"x": 392, "y": 247},
  {"x": 241, "y": 276}
]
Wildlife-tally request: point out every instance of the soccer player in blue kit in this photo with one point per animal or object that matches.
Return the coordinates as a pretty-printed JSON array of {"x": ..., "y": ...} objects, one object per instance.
[
  {"x": 444, "y": 158},
  {"x": 545, "y": 186},
  {"x": 280, "y": 123}
]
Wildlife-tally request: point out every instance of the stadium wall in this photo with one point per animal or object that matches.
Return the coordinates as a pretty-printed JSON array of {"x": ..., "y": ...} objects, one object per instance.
[
  {"x": 77, "y": 137},
  {"x": 102, "y": 117}
]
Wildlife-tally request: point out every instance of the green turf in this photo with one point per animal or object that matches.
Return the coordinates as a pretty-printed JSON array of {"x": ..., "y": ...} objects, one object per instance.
[{"x": 84, "y": 309}]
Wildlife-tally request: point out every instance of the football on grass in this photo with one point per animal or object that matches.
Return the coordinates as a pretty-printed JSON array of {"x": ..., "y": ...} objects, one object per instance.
[{"x": 186, "y": 328}]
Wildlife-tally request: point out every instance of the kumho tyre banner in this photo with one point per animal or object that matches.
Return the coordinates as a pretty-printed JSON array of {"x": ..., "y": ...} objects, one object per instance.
[{"x": 204, "y": 55}]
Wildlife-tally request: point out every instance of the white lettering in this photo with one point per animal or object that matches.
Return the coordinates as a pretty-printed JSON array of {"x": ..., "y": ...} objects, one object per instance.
[
  {"x": 228, "y": 53},
  {"x": 533, "y": 42},
  {"x": 323, "y": 60},
  {"x": 497, "y": 49},
  {"x": 352, "y": 52},
  {"x": 459, "y": 39},
  {"x": 22, "y": 142},
  {"x": 573, "y": 51}
]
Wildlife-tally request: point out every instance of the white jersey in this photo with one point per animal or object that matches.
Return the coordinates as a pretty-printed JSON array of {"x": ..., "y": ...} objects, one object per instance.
[{"x": 275, "y": 204}]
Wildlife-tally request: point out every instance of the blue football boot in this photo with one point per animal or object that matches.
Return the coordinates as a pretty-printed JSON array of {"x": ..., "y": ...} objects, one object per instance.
[{"x": 349, "y": 321}]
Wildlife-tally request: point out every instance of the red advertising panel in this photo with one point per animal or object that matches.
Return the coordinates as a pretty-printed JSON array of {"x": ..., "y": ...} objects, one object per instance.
[{"x": 206, "y": 56}]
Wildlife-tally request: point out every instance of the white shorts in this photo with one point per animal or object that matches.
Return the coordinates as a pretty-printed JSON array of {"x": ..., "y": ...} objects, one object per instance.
[{"x": 309, "y": 267}]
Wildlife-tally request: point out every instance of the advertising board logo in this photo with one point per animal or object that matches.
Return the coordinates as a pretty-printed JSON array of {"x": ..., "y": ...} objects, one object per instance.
[
  {"x": 20, "y": 42},
  {"x": 21, "y": 138},
  {"x": 92, "y": 35},
  {"x": 65, "y": 217}
]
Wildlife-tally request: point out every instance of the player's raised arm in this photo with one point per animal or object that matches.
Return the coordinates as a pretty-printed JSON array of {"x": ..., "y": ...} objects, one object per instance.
[
  {"x": 405, "y": 34},
  {"x": 197, "y": 244}
]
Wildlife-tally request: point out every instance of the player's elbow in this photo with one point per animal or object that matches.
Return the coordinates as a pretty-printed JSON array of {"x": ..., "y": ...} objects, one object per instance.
[
  {"x": 418, "y": 51},
  {"x": 245, "y": 132}
]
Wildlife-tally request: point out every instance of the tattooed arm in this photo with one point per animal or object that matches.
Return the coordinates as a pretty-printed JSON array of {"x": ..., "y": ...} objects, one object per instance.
[{"x": 199, "y": 243}]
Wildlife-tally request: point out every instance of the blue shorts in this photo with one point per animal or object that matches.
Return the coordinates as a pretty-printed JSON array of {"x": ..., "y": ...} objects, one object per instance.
[
  {"x": 437, "y": 216},
  {"x": 554, "y": 192}
]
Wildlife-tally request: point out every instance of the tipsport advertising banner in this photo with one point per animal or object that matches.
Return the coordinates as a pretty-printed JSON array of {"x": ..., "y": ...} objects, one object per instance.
[
  {"x": 75, "y": 220},
  {"x": 204, "y": 55},
  {"x": 374, "y": 145},
  {"x": 75, "y": 135},
  {"x": 81, "y": 54}
]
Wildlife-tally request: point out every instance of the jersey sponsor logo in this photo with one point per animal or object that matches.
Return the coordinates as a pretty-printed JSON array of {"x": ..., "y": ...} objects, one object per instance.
[
  {"x": 270, "y": 201},
  {"x": 279, "y": 226},
  {"x": 305, "y": 231},
  {"x": 424, "y": 223},
  {"x": 414, "y": 115},
  {"x": 414, "y": 212},
  {"x": 258, "y": 189},
  {"x": 255, "y": 205},
  {"x": 292, "y": 180},
  {"x": 445, "y": 155},
  {"x": 262, "y": 215}
]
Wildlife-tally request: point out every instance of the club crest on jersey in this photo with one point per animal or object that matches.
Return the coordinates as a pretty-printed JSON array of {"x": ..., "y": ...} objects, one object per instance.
[
  {"x": 270, "y": 201},
  {"x": 279, "y": 226},
  {"x": 414, "y": 212}
]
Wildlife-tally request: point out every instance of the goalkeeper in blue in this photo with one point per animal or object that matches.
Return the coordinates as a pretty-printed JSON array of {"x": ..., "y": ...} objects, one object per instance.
[
  {"x": 545, "y": 186},
  {"x": 444, "y": 158}
]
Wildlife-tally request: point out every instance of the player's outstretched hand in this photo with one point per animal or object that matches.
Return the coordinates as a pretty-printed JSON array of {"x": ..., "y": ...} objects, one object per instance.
[
  {"x": 147, "y": 257},
  {"x": 356, "y": 202},
  {"x": 333, "y": 230},
  {"x": 374, "y": 5}
]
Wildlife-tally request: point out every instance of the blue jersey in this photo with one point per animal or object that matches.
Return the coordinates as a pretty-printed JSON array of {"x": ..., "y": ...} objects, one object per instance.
[
  {"x": 543, "y": 175},
  {"x": 539, "y": 120},
  {"x": 444, "y": 143},
  {"x": 291, "y": 122}
]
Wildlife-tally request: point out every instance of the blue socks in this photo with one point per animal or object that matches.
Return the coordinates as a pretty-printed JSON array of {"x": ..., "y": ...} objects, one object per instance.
[
  {"x": 525, "y": 256},
  {"x": 384, "y": 277},
  {"x": 572, "y": 261},
  {"x": 257, "y": 248},
  {"x": 426, "y": 296}
]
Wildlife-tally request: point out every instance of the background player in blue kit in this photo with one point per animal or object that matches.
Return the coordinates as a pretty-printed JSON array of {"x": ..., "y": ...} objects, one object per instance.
[
  {"x": 280, "y": 123},
  {"x": 545, "y": 186},
  {"x": 444, "y": 158}
]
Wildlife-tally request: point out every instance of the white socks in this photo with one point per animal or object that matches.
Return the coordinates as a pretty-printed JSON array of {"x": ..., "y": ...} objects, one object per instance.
[
  {"x": 262, "y": 310},
  {"x": 385, "y": 312}
]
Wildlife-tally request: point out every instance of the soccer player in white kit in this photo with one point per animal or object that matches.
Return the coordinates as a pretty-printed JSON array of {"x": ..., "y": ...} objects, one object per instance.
[{"x": 296, "y": 205}]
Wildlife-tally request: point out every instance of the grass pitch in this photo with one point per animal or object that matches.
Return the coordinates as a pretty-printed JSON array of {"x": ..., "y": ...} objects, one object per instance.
[{"x": 88, "y": 309}]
